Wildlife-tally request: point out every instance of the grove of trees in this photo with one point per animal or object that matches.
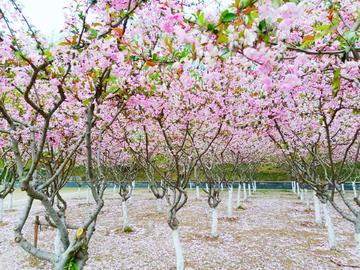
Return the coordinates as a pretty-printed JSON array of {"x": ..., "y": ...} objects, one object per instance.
[{"x": 185, "y": 92}]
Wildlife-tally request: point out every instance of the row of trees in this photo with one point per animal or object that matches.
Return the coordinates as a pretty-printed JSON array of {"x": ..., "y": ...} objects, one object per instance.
[{"x": 149, "y": 82}]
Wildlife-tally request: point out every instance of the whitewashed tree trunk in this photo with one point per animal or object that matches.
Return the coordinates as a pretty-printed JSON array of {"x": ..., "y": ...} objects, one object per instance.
[
  {"x": 88, "y": 195},
  {"x": 159, "y": 206},
  {"x": 214, "y": 227},
  {"x": 1, "y": 208},
  {"x": 190, "y": 185},
  {"x": 249, "y": 186},
  {"x": 11, "y": 200},
  {"x": 131, "y": 199},
  {"x": 207, "y": 187},
  {"x": 125, "y": 217},
  {"x": 197, "y": 192},
  {"x": 222, "y": 187},
  {"x": 238, "y": 196},
  {"x": 317, "y": 210},
  {"x": 254, "y": 186},
  {"x": 307, "y": 200},
  {"x": 293, "y": 186},
  {"x": 357, "y": 240},
  {"x": 114, "y": 191},
  {"x": 133, "y": 188},
  {"x": 330, "y": 227},
  {"x": 178, "y": 250},
  {"x": 230, "y": 214},
  {"x": 79, "y": 190},
  {"x": 302, "y": 195},
  {"x": 57, "y": 243},
  {"x": 354, "y": 188},
  {"x": 298, "y": 190},
  {"x": 342, "y": 187},
  {"x": 245, "y": 198}
]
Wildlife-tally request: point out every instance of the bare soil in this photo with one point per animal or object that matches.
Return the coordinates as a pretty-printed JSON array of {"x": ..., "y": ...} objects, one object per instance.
[{"x": 274, "y": 231}]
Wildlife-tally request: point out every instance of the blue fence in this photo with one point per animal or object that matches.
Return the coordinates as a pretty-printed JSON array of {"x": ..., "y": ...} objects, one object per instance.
[{"x": 259, "y": 185}]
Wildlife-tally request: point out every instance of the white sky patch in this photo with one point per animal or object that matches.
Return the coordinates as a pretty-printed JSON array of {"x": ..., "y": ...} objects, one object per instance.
[{"x": 46, "y": 15}]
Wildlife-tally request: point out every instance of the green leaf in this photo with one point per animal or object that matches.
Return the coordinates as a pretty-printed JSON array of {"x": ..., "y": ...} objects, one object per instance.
[
  {"x": 222, "y": 38},
  {"x": 336, "y": 83},
  {"x": 225, "y": 50},
  {"x": 94, "y": 33},
  {"x": 215, "y": 31},
  {"x": 261, "y": 25},
  {"x": 356, "y": 112},
  {"x": 276, "y": 3},
  {"x": 229, "y": 17},
  {"x": 322, "y": 27},
  {"x": 210, "y": 26},
  {"x": 347, "y": 49}
]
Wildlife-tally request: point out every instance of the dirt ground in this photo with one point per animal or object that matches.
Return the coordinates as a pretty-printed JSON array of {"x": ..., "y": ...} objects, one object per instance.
[{"x": 274, "y": 231}]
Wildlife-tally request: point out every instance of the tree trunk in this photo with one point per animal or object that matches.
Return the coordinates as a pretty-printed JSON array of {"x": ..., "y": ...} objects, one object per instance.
[
  {"x": 79, "y": 190},
  {"x": 292, "y": 186},
  {"x": 354, "y": 188},
  {"x": 114, "y": 191},
  {"x": 159, "y": 206},
  {"x": 133, "y": 188},
  {"x": 249, "y": 186},
  {"x": 330, "y": 227},
  {"x": 222, "y": 187},
  {"x": 238, "y": 195},
  {"x": 57, "y": 243},
  {"x": 244, "y": 191},
  {"x": 11, "y": 200},
  {"x": 214, "y": 227},
  {"x": 88, "y": 195},
  {"x": 178, "y": 250},
  {"x": 302, "y": 195},
  {"x": 357, "y": 234},
  {"x": 342, "y": 187},
  {"x": 298, "y": 190},
  {"x": 1, "y": 208},
  {"x": 125, "y": 217},
  {"x": 197, "y": 192},
  {"x": 190, "y": 185},
  {"x": 317, "y": 210},
  {"x": 131, "y": 198},
  {"x": 307, "y": 200},
  {"x": 230, "y": 214},
  {"x": 254, "y": 189},
  {"x": 207, "y": 187}
]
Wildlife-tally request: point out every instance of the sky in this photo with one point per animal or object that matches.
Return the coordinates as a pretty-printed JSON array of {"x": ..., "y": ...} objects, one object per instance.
[{"x": 45, "y": 15}]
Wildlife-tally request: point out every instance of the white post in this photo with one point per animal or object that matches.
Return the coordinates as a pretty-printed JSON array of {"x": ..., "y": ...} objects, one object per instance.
[
  {"x": 238, "y": 195},
  {"x": 79, "y": 193},
  {"x": 88, "y": 194},
  {"x": 197, "y": 192},
  {"x": 11, "y": 200},
  {"x": 126, "y": 223},
  {"x": 298, "y": 190},
  {"x": 159, "y": 206},
  {"x": 178, "y": 250},
  {"x": 230, "y": 214},
  {"x": 354, "y": 188},
  {"x": 317, "y": 210},
  {"x": 214, "y": 227},
  {"x": 1, "y": 208},
  {"x": 330, "y": 227},
  {"x": 307, "y": 200},
  {"x": 114, "y": 191},
  {"x": 244, "y": 191},
  {"x": 249, "y": 185}
]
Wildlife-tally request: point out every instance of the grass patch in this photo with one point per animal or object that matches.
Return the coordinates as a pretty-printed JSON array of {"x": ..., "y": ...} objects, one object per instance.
[
  {"x": 240, "y": 207},
  {"x": 127, "y": 229},
  {"x": 284, "y": 190},
  {"x": 262, "y": 191}
]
